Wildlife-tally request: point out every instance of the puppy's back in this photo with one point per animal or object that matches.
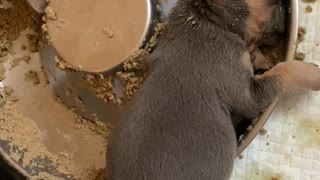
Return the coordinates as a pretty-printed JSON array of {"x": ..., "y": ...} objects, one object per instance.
[{"x": 172, "y": 132}]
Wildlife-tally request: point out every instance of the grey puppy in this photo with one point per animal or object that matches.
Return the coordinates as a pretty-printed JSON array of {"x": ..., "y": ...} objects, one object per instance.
[{"x": 178, "y": 127}]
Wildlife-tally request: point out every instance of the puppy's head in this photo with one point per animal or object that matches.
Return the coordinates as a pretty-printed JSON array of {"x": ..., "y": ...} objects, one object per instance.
[
  {"x": 265, "y": 20},
  {"x": 250, "y": 19},
  {"x": 275, "y": 28}
]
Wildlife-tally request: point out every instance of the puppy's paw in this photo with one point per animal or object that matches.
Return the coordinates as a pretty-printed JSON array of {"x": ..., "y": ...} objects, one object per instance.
[
  {"x": 305, "y": 75},
  {"x": 312, "y": 76},
  {"x": 293, "y": 75}
]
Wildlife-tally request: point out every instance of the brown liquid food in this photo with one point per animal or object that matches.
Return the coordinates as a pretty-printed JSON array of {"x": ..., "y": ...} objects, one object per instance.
[{"x": 98, "y": 35}]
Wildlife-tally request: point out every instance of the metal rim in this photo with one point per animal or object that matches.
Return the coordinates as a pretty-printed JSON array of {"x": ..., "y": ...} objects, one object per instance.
[{"x": 13, "y": 164}]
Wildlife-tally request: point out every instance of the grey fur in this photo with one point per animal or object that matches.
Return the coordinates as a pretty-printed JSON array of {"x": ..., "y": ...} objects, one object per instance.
[{"x": 178, "y": 127}]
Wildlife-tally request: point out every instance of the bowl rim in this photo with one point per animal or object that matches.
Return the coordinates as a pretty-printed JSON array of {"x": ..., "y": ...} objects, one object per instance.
[
  {"x": 291, "y": 48},
  {"x": 11, "y": 163}
]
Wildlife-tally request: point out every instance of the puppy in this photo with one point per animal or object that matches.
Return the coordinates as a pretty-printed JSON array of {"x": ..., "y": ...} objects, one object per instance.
[{"x": 178, "y": 126}]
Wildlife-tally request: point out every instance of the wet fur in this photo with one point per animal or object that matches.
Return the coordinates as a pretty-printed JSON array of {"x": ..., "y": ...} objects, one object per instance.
[{"x": 179, "y": 125}]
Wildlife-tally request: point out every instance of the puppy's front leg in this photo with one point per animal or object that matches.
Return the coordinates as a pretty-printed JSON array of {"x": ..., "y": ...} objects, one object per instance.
[
  {"x": 284, "y": 77},
  {"x": 292, "y": 75},
  {"x": 246, "y": 61}
]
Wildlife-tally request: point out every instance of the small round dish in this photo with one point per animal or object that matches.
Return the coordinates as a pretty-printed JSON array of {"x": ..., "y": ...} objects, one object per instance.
[{"x": 96, "y": 36}]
